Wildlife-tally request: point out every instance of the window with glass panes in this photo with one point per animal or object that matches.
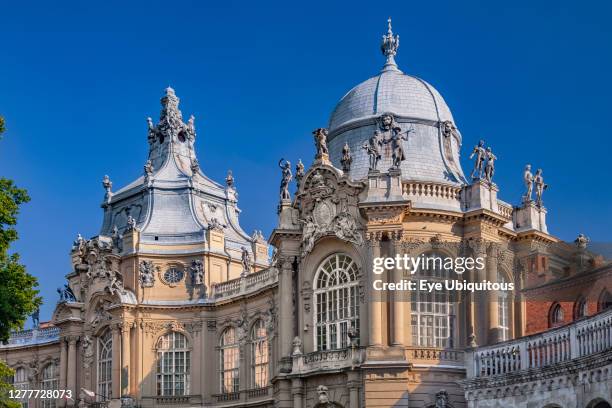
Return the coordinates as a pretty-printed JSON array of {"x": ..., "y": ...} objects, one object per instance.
[
  {"x": 49, "y": 381},
  {"x": 105, "y": 365},
  {"x": 336, "y": 294},
  {"x": 503, "y": 310},
  {"x": 433, "y": 313},
  {"x": 229, "y": 361},
  {"x": 173, "y": 364},
  {"x": 259, "y": 355},
  {"x": 20, "y": 382}
]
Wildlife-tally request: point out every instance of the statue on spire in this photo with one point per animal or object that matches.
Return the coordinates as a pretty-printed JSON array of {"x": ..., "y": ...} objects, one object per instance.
[{"x": 389, "y": 46}]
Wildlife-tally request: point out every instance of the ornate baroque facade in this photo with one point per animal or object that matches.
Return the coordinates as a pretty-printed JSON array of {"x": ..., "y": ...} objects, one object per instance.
[{"x": 173, "y": 304}]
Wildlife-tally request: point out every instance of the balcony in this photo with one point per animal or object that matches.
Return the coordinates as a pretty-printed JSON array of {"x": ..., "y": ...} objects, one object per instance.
[
  {"x": 245, "y": 396},
  {"x": 247, "y": 284},
  {"x": 327, "y": 360},
  {"x": 574, "y": 341},
  {"x": 430, "y": 356}
]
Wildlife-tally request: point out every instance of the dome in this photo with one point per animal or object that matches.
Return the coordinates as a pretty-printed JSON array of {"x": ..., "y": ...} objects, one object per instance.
[
  {"x": 420, "y": 122},
  {"x": 393, "y": 92}
]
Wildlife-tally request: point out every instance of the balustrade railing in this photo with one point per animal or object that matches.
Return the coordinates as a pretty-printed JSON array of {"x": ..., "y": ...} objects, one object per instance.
[
  {"x": 434, "y": 356},
  {"x": 327, "y": 360},
  {"x": 579, "y": 339},
  {"x": 245, "y": 283}
]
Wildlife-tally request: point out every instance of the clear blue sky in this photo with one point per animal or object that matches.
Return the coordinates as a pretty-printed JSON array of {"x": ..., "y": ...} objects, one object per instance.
[{"x": 77, "y": 81}]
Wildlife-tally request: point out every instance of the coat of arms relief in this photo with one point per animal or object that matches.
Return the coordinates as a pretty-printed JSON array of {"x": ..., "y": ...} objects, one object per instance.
[{"x": 325, "y": 204}]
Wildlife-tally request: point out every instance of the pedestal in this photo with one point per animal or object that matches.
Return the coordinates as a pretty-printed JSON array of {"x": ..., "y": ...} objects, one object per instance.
[
  {"x": 530, "y": 217},
  {"x": 481, "y": 195}
]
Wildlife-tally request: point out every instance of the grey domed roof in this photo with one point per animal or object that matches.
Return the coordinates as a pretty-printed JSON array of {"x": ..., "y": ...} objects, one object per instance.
[
  {"x": 390, "y": 92},
  {"x": 430, "y": 139}
]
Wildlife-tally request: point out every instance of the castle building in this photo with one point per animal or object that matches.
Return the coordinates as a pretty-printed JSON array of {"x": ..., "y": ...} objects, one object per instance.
[{"x": 174, "y": 305}]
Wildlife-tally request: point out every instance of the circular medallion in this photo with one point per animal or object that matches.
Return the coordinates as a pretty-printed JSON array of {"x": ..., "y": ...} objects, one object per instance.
[{"x": 173, "y": 275}]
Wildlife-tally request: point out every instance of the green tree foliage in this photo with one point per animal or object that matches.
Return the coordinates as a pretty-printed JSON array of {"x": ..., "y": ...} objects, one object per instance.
[{"x": 18, "y": 294}]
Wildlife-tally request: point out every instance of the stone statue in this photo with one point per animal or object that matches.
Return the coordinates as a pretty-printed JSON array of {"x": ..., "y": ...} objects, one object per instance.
[
  {"x": 195, "y": 165},
  {"x": 229, "y": 180},
  {"x": 114, "y": 284},
  {"x": 152, "y": 131},
  {"x": 197, "y": 272},
  {"x": 353, "y": 335},
  {"x": 320, "y": 136},
  {"x": 299, "y": 173},
  {"x": 323, "y": 397},
  {"x": 287, "y": 176},
  {"x": 88, "y": 351},
  {"x": 582, "y": 241},
  {"x": 346, "y": 228},
  {"x": 309, "y": 234},
  {"x": 36, "y": 318},
  {"x": 442, "y": 399},
  {"x": 540, "y": 186},
  {"x": 66, "y": 294},
  {"x": 447, "y": 128},
  {"x": 347, "y": 159},
  {"x": 480, "y": 153},
  {"x": 528, "y": 180},
  {"x": 395, "y": 139},
  {"x": 297, "y": 346},
  {"x": 147, "y": 275},
  {"x": 148, "y": 168},
  {"x": 131, "y": 223},
  {"x": 214, "y": 224},
  {"x": 373, "y": 150},
  {"x": 490, "y": 166},
  {"x": 258, "y": 236},
  {"x": 246, "y": 261},
  {"x": 191, "y": 133}
]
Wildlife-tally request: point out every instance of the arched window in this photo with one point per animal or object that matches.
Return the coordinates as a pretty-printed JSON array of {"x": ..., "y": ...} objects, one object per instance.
[
  {"x": 49, "y": 382},
  {"x": 605, "y": 301},
  {"x": 173, "y": 361},
  {"x": 229, "y": 361},
  {"x": 105, "y": 365},
  {"x": 433, "y": 313},
  {"x": 259, "y": 355},
  {"x": 557, "y": 316},
  {"x": 336, "y": 294},
  {"x": 580, "y": 308},
  {"x": 20, "y": 382},
  {"x": 503, "y": 309}
]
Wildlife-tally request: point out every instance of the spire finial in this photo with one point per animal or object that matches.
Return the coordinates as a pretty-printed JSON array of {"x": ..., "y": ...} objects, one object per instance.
[{"x": 389, "y": 46}]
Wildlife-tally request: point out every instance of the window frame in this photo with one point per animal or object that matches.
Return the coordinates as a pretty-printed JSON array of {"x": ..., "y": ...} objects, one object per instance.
[
  {"x": 260, "y": 355},
  {"x": 336, "y": 304},
  {"x": 104, "y": 383},
  {"x": 229, "y": 346},
  {"x": 169, "y": 356},
  {"x": 49, "y": 383}
]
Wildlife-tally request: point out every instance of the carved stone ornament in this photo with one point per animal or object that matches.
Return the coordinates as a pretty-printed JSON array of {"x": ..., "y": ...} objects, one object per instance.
[
  {"x": 88, "y": 351},
  {"x": 297, "y": 346},
  {"x": 197, "y": 272},
  {"x": 154, "y": 327},
  {"x": 322, "y": 392},
  {"x": 147, "y": 274}
]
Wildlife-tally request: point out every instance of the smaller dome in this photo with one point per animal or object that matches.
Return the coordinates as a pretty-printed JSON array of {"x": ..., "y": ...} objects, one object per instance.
[{"x": 394, "y": 92}]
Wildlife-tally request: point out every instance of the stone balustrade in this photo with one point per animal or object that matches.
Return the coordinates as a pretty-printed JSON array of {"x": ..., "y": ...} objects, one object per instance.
[
  {"x": 327, "y": 360},
  {"x": 504, "y": 209},
  {"x": 255, "y": 395},
  {"x": 32, "y": 336},
  {"x": 431, "y": 190},
  {"x": 430, "y": 356},
  {"x": 576, "y": 340},
  {"x": 245, "y": 284}
]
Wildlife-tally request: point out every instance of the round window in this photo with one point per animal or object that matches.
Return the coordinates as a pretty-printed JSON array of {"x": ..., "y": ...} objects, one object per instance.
[{"x": 173, "y": 275}]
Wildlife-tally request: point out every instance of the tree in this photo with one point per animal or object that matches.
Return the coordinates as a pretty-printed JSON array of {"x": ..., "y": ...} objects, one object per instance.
[{"x": 18, "y": 293}]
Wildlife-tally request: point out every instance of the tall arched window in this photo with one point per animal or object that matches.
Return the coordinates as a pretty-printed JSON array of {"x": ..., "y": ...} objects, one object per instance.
[
  {"x": 229, "y": 361},
  {"x": 580, "y": 308},
  {"x": 49, "y": 382},
  {"x": 173, "y": 362},
  {"x": 503, "y": 309},
  {"x": 605, "y": 301},
  {"x": 433, "y": 313},
  {"x": 336, "y": 294},
  {"x": 105, "y": 365},
  {"x": 557, "y": 317},
  {"x": 20, "y": 382},
  {"x": 259, "y": 355}
]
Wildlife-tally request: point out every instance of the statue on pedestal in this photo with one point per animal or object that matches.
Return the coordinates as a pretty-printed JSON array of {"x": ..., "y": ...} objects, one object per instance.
[
  {"x": 373, "y": 150},
  {"x": 540, "y": 186},
  {"x": 490, "y": 166},
  {"x": 299, "y": 173},
  {"x": 285, "y": 180},
  {"x": 528, "y": 180},
  {"x": 320, "y": 136},
  {"x": 246, "y": 261},
  {"x": 347, "y": 159},
  {"x": 480, "y": 153}
]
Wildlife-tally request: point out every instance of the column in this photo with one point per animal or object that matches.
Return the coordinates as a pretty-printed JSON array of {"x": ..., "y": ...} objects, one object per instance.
[
  {"x": 397, "y": 296},
  {"x": 116, "y": 365},
  {"x": 493, "y": 312},
  {"x": 72, "y": 368},
  {"x": 125, "y": 358},
  {"x": 297, "y": 389},
  {"x": 286, "y": 307},
  {"x": 353, "y": 384},
  {"x": 63, "y": 368},
  {"x": 375, "y": 305}
]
